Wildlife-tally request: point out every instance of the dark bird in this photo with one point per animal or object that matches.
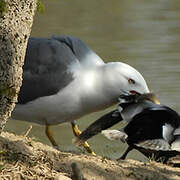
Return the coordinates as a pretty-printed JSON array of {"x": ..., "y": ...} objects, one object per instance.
[
  {"x": 64, "y": 79},
  {"x": 152, "y": 129}
]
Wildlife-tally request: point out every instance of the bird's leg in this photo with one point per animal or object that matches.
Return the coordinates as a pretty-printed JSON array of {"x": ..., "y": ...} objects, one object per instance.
[
  {"x": 77, "y": 133},
  {"x": 50, "y": 136},
  {"x": 126, "y": 152},
  {"x": 104, "y": 122}
]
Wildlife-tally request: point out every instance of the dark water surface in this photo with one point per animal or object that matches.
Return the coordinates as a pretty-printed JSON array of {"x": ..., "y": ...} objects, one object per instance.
[{"x": 144, "y": 34}]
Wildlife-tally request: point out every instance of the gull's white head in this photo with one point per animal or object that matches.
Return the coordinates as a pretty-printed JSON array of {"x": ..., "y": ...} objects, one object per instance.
[{"x": 124, "y": 79}]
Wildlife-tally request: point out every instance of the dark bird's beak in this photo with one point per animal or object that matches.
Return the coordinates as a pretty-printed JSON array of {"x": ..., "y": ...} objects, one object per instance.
[{"x": 137, "y": 97}]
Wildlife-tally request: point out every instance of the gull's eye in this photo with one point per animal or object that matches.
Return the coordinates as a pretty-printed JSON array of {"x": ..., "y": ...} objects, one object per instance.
[{"x": 131, "y": 81}]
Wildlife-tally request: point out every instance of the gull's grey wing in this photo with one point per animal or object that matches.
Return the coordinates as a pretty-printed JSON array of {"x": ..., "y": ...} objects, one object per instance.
[
  {"x": 46, "y": 70},
  {"x": 81, "y": 50},
  {"x": 47, "y": 67}
]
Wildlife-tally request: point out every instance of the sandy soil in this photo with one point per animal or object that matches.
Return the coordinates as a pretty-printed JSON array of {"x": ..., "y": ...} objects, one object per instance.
[{"x": 23, "y": 158}]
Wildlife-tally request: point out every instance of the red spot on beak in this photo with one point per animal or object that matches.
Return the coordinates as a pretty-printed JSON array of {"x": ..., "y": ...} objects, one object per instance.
[{"x": 133, "y": 92}]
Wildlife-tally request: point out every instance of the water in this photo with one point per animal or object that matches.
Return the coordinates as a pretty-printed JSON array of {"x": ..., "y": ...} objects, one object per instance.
[{"x": 144, "y": 34}]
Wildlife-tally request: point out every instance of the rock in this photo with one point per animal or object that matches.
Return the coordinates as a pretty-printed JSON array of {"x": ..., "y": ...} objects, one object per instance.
[{"x": 62, "y": 177}]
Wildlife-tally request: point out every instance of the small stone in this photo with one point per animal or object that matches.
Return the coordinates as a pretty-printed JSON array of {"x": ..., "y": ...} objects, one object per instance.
[{"x": 62, "y": 177}]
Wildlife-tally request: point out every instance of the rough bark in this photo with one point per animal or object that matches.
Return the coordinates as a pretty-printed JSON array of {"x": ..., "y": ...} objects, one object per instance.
[{"x": 16, "y": 17}]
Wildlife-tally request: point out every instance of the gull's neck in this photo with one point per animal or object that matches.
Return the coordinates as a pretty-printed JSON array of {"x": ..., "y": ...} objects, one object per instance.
[{"x": 97, "y": 91}]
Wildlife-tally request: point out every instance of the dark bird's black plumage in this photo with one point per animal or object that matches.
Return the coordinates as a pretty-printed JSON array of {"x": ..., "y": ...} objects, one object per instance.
[{"x": 145, "y": 133}]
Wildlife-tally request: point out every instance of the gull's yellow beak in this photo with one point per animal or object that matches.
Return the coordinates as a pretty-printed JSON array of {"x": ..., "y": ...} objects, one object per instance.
[
  {"x": 156, "y": 101},
  {"x": 153, "y": 98}
]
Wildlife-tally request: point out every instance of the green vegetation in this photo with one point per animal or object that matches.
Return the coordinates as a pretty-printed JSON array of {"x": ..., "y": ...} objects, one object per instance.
[
  {"x": 3, "y": 7},
  {"x": 6, "y": 90},
  {"x": 40, "y": 6}
]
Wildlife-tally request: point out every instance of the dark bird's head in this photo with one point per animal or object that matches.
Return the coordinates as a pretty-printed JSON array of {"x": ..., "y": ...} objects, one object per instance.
[{"x": 137, "y": 98}]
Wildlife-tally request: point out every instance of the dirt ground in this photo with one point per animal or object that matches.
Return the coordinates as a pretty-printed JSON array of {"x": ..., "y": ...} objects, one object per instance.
[{"x": 23, "y": 158}]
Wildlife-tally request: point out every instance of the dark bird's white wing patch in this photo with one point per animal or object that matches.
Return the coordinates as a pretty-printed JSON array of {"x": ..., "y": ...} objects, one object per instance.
[
  {"x": 155, "y": 144},
  {"x": 115, "y": 135}
]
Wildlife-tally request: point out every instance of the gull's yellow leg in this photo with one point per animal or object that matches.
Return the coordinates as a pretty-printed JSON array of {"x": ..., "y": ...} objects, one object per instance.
[
  {"x": 77, "y": 132},
  {"x": 50, "y": 136}
]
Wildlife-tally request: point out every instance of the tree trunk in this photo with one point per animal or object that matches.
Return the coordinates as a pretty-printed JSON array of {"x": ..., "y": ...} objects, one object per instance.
[{"x": 16, "y": 17}]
